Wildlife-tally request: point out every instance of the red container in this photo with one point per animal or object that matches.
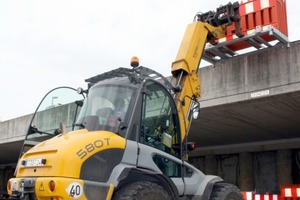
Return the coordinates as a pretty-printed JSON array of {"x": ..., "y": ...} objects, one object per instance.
[{"x": 256, "y": 13}]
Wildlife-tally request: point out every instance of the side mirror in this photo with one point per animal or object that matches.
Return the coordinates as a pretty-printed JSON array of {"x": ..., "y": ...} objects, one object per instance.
[
  {"x": 187, "y": 146},
  {"x": 195, "y": 114},
  {"x": 81, "y": 91},
  {"x": 196, "y": 110},
  {"x": 190, "y": 146}
]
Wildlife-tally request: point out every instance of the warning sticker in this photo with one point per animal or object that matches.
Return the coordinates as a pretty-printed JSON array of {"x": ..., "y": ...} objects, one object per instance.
[{"x": 41, "y": 188}]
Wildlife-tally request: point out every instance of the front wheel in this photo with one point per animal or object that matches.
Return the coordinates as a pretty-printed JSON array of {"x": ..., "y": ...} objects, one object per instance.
[
  {"x": 225, "y": 191},
  {"x": 141, "y": 191}
]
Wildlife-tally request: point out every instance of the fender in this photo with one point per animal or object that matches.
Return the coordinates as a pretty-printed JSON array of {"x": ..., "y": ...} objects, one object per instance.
[
  {"x": 130, "y": 175},
  {"x": 209, "y": 187}
]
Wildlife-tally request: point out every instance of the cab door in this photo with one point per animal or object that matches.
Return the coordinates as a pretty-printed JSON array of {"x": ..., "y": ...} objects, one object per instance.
[{"x": 160, "y": 130}]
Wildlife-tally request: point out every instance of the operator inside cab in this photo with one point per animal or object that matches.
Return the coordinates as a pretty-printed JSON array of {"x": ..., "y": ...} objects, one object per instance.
[
  {"x": 118, "y": 114},
  {"x": 106, "y": 106}
]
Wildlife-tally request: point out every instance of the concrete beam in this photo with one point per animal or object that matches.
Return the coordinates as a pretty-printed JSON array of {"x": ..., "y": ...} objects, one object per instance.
[
  {"x": 247, "y": 147},
  {"x": 15, "y": 129},
  {"x": 264, "y": 73}
]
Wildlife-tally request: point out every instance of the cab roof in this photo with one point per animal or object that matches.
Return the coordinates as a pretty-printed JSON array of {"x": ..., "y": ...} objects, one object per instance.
[{"x": 136, "y": 74}]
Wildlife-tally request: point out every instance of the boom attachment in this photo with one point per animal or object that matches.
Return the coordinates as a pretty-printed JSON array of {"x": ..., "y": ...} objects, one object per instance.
[
  {"x": 207, "y": 27},
  {"x": 263, "y": 24},
  {"x": 223, "y": 16}
]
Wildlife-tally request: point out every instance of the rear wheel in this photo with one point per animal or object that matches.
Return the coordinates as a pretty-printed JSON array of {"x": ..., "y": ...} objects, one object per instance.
[
  {"x": 141, "y": 191},
  {"x": 225, "y": 191}
]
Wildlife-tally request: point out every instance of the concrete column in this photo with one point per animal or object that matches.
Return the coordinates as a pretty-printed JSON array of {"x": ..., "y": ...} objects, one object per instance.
[
  {"x": 2, "y": 178},
  {"x": 198, "y": 162},
  {"x": 211, "y": 165},
  {"x": 246, "y": 172},
  {"x": 6, "y": 172},
  {"x": 284, "y": 167}
]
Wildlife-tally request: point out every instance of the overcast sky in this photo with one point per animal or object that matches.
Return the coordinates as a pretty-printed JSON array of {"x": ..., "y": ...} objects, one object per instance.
[{"x": 46, "y": 44}]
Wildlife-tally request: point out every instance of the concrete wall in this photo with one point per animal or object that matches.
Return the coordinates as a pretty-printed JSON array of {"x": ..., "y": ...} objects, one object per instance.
[
  {"x": 277, "y": 69},
  {"x": 48, "y": 120},
  {"x": 14, "y": 129},
  {"x": 259, "y": 171}
]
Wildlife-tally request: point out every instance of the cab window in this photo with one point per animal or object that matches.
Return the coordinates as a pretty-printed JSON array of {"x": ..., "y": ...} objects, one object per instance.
[
  {"x": 159, "y": 125},
  {"x": 106, "y": 107}
]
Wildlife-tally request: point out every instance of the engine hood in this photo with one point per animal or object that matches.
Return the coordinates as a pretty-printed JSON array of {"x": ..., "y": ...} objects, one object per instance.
[{"x": 65, "y": 154}]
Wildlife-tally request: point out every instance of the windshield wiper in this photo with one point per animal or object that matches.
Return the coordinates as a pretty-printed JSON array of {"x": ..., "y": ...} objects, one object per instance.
[
  {"x": 81, "y": 125},
  {"x": 34, "y": 130}
]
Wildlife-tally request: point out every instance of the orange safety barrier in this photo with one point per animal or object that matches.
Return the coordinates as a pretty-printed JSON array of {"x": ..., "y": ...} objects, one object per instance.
[
  {"x": 266, "y": 197},
  {"x": 254, "y": 196},
  {"x": 262, "y": 21},
  {"x": 247, "y": 195},
  {"x": 287, "y": 192},
  {"x": 258, "y": 13},
  {"x": 290, "y": 192}
]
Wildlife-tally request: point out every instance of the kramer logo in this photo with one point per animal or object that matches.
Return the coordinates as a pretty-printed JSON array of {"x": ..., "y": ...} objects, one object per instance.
[{"x": 260, "y": 93}]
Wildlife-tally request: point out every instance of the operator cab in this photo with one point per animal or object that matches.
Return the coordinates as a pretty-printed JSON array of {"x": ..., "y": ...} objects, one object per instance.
[
  {"x": 133, "y": 103},
  {"x": 148, "y": 111}
]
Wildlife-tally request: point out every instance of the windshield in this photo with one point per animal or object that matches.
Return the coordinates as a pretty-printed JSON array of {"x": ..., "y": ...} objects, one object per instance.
[
  {"x": 55, "y": 114},
  {"x": 105, "y": 108}
]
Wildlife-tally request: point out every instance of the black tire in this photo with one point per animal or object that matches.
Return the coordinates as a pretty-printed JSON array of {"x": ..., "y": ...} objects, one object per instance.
[
  {"x": 225, "y": 191},
  {"x": 141, "y": 191}
]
